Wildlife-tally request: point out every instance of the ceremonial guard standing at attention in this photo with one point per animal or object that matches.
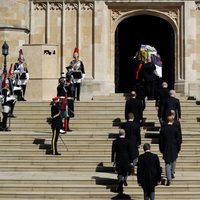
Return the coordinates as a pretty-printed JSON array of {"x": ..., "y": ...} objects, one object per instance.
[
  {"x": 11, "y": 80},
  {"x": 70, "y": 100},
  {"x": 22, "y": 75},
  {"x": 6, "y": 103},
  {"x": 78, "y": 73},
  {"x": 62, "y": 94},
  {"x": 56, "y": 124}
]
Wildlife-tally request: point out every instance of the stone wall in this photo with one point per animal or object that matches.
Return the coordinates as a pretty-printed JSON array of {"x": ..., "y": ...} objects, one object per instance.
[
  {"x": 14, "y": 26},
  {"x": 192, "y": 47},
  {"x": 90, "y": 26}
]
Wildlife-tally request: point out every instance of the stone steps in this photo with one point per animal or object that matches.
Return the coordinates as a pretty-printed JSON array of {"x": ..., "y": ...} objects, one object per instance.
[
  {"x": 103, "y": 195},
  {"x": 85, "y": 171}
]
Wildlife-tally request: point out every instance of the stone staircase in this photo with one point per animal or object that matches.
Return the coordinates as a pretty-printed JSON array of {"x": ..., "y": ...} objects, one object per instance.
[{"x": 84, "y": 170}]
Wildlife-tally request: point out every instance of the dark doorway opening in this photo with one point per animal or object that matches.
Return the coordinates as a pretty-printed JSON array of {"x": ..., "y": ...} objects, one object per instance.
[{"x": 129, "y": 35}]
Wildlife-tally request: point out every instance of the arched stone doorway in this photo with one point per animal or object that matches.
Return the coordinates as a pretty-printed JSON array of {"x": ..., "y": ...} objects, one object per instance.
[{"x": 129, "y": 35}]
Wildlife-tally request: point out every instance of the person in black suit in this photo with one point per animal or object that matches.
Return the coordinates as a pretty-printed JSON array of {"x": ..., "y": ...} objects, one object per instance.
[
  {"x": 163, "y": 96},
  {"x": 170, "y": 145},
  {"x": 132, "y": 130},
  {"x": 172, "y": 103},
  {"x": 177, "y": 124},
  {"x": 134, "y": 105},
  {"x": 150, "y": 79},
  {"x": 148, "y": 172},
  {"x": 121, "y": 158}
]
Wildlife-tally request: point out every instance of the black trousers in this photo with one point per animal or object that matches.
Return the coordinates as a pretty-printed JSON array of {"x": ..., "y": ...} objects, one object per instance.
[
  {"x": 12, "y": 105},
  {"x": 21, "y": 93},
  {"x": 150, "y": 89},
  {"x": 77, "y": 90},
  {"x": 4, "y": 120},
  {"x": 23, "y": 89}
]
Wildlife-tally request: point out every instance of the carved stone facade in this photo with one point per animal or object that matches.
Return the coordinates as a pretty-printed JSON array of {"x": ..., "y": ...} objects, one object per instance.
[{"x": 62, "y": 25}]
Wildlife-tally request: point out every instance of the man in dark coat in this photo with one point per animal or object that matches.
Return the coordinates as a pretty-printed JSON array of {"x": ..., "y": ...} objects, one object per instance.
[
  {"x": 172, "y": 104},
  {"x": 148, "y": 172},
  {"x": 121, "y": 158},
  {"x": 132, "y": 130},
  {"x": 150, "y": 79},
  {"x": 134, "y": 105},
  {"x": 170, "y": 145},
  {"x": 177, "y": 124},
  {"x": 163, "y": 96}
]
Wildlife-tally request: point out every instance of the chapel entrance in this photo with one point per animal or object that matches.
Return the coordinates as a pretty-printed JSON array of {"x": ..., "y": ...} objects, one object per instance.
[{"x": 129, "y": 35}]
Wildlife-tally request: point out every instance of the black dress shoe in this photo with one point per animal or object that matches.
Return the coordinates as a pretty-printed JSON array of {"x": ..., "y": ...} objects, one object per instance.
[
  {"x": 168, "y": 183},
  {"x": 11, "y": 115},
  {"x": 120, "y": 189},
  {"x": 57, "y": 153},
  {"x": 173, "y": 176},
  {"x": 49, "y": 152},
  {"x": 69, "y": 130},
  {"x": 5, "y": 129},
  {"x": 125, "y": 183}
]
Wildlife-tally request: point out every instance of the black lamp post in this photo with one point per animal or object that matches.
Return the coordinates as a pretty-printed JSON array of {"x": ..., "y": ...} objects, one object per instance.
[{"x": 5, "y": 48}]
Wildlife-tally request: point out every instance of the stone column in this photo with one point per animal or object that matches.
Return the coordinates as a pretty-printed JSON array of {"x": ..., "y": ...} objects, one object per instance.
[
  {"x": 39, "y": 16},
  {"x": 86, "y": 42},
  {"x": 70, "y": 32},
  {"x": 14, "y": 27},
  {"x": 43, "y": 69}
]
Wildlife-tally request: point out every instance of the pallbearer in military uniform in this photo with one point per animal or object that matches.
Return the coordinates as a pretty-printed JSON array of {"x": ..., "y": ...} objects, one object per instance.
[{"x": 56, "y": 124}]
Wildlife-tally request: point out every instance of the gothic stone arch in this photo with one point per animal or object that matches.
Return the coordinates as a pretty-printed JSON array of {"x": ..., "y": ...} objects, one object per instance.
[{"x": 172, "y": 14}]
